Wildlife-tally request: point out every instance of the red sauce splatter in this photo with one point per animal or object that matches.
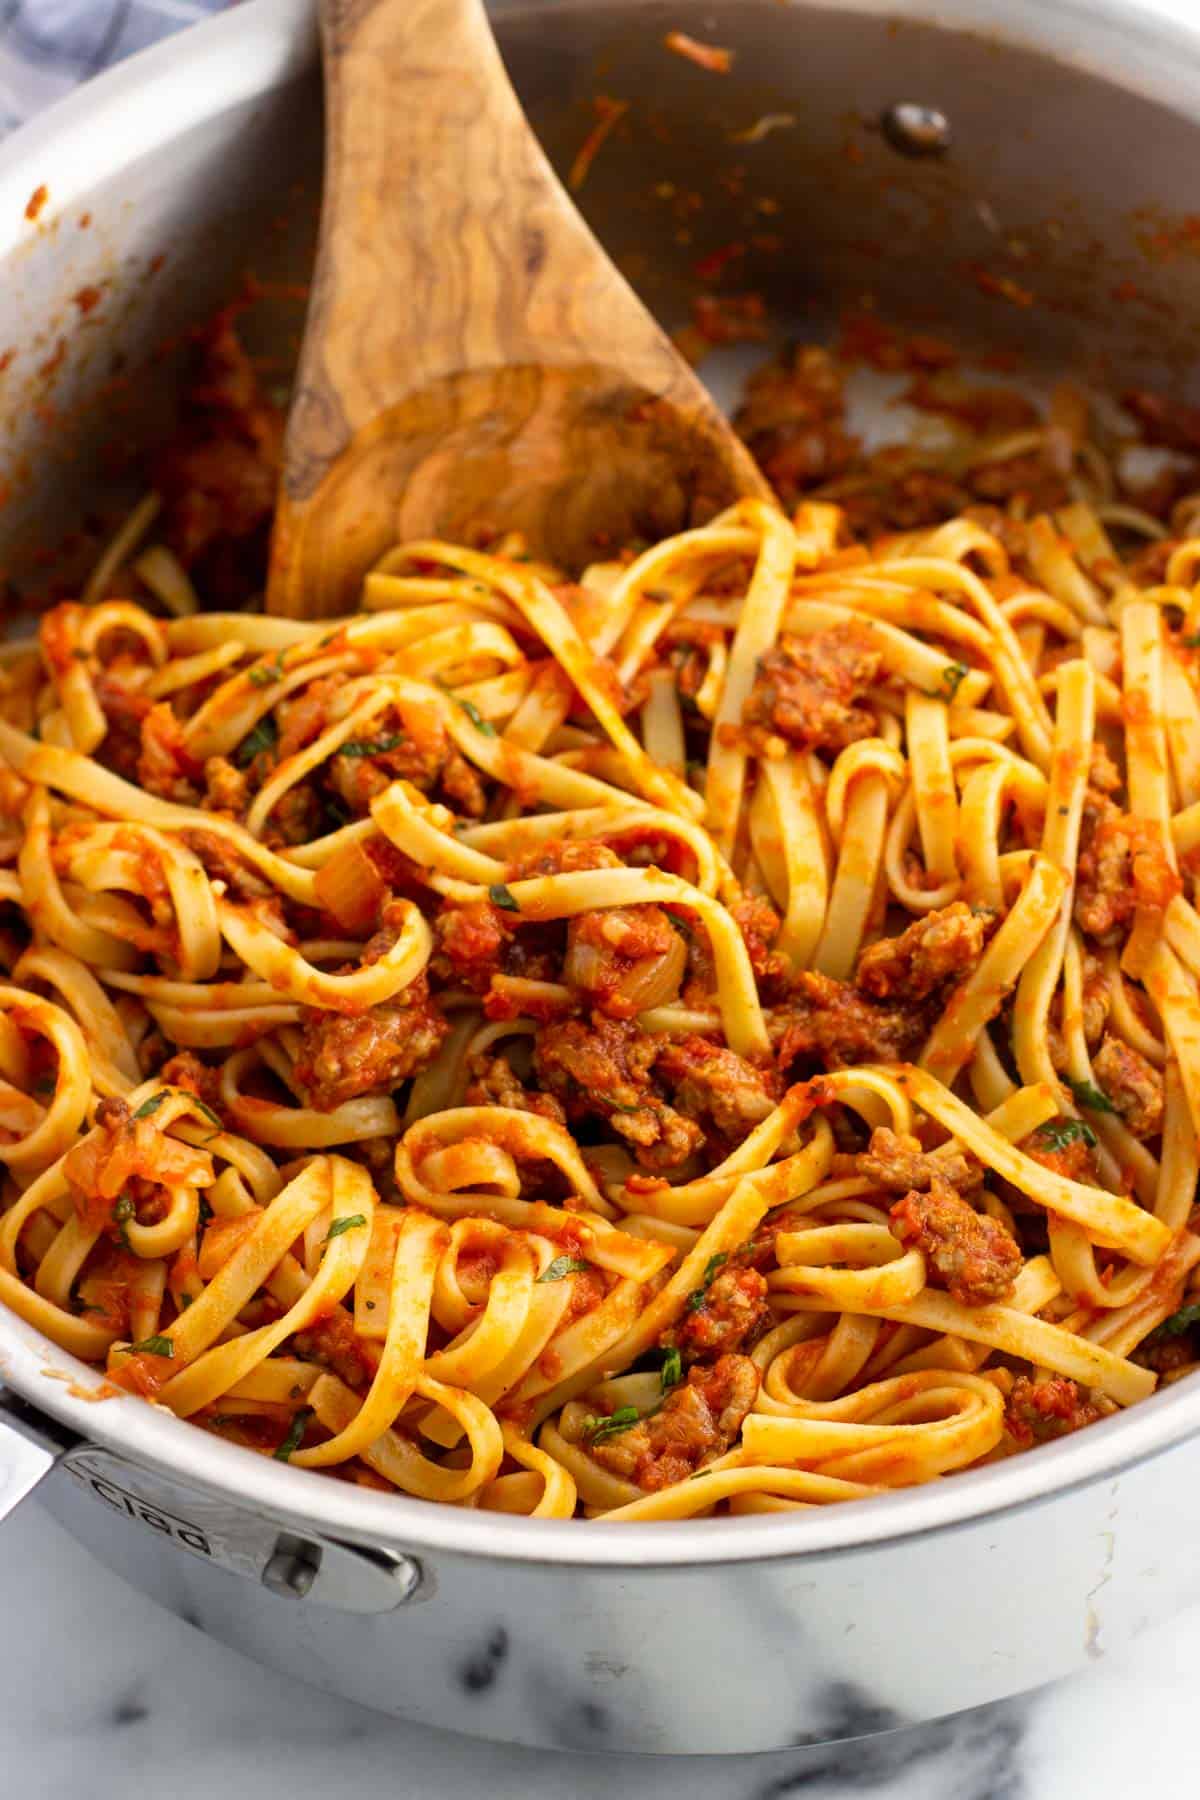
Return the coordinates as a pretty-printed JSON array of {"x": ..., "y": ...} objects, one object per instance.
[
  {"x": 5, "y": 358},
  {"x": 37, "y": 200},
  {"x": 85, "y": 220},
  {"x": 54, "y": 361},
  {"x": 87, "y": 299}
]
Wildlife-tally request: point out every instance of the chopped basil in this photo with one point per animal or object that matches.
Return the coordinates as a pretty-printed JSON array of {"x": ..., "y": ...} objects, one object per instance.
[
  {"x": 695, "y": 1476},
  {"x": 611, "y": 1423},
  {"x": 502, "y": 896},
  {"x": 951, "y": 679},
  {"x": 1177, "y": 1324},
  {"x": 1056, "y": 1134},
  {"x": 123, "y": 1210},
  {"x": 264, "y": 737},
  {"x": 372, "y": 746},
  {"x": 153, "y": 1346},
  {"x": 562, "y": 1266},
  {"x": 477, "y": 719},
  {"x": 264, "y": 676},
  {"x": 1089, "y": 1095},
  {"x": 346, "y": 1224},
  {"x": 296, "y": 1430},
  {"x": 1192, "y": 641},
  {"x": 695, "y": 1299},
  {"x": 672, "y": 1369},
  {"x": 184, "y": 1301},
  {"x": 152, "y": 1104}
]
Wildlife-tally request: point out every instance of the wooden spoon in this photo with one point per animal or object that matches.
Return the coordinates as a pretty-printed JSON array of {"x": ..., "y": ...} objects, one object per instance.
[{"x": 473, "y": 362}]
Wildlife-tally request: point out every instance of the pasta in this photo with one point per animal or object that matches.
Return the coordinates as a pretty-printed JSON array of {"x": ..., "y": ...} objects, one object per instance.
[{"x": 719, "y": 1036}]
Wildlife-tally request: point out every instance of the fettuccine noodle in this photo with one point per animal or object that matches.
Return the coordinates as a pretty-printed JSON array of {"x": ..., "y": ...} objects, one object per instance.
[{"x": 719, "y": 1036}]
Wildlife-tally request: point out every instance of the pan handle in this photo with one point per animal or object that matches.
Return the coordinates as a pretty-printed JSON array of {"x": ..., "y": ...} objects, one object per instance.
[{"x": 30, "y": 1446}]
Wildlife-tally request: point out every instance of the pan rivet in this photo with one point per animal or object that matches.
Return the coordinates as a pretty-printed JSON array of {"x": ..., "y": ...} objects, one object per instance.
[
  {"x": 293, "y": 1568},
  {"x": 916, "y": 130}
]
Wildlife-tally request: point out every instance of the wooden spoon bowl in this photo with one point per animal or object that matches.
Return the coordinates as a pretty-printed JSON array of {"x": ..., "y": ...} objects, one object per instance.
[{"x": 472, "y": 362}]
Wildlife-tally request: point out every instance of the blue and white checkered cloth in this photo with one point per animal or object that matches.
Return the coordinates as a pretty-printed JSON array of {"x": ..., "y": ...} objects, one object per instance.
[{"x": 48, "y": 46}]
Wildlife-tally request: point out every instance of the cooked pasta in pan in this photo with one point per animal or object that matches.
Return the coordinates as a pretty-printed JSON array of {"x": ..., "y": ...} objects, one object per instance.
[{"x": 719, "y": 1035}]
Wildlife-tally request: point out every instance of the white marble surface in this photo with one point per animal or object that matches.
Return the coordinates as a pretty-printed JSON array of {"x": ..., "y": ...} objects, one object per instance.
[{"x": 97, "y": 1683}]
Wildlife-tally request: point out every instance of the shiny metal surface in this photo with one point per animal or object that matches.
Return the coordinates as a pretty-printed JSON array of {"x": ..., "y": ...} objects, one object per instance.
[{"x": 717, "y": 1635}]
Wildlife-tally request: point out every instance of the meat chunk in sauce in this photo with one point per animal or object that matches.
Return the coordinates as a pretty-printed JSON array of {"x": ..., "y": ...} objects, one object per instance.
[
  {"x": 1122, "y": 866},
  {"x": 942, "y": 947},
  {"x": 1134, "y": 1086},
  {"x": 715, "y": 1086},
  {"x": 697, "y": 1421},
  {"x": 793, "y": 420},
  {"x": 494, "y": 1083},
  {"x": 602, "y": 1069},
  {"x": 345, "y": 1055},
  {"x": 832, "y": 1023},
  {"x": 472, "y": 939},
  {"x": 805, "y": 688},
  {"x": 897, "y": 1161},
  {"x": 730, "y": 1314},
  {"x": 407, "y": 742},
  {"x": 1037, "y": 1411},
  {"x": 166, "y": 766},
  {"x": 969, "y": 1253}
]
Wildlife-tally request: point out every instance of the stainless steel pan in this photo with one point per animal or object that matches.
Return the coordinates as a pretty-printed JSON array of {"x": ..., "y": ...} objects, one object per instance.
[{"x": 743, "y": 1634}]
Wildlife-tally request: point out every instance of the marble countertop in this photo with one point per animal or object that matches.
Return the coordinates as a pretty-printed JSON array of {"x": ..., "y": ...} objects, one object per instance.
[{"x": 98, "y": 1684}]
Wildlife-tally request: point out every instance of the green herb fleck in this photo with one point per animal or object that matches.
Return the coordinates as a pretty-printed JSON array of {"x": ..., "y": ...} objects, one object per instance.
[
  {"x": 611, "y": 1423},
  {"x": 1089, "y": 1095},
  {"x": 951, "y": 679},
  {"x": 265, "y": 674},
  {"x": 296, "y": 1430},
  {"x": 184, "y": 1301},
  {"x": 1177, "y": 1324},
  {"x": 264, "y": 737},
  {"x": 152, "y": 1104},
  {"x": 672, "y": 1369},
  {"x": 699, "y": 1473},
  {"x": 44, "y": 1085},
  {"x": 562, "y": 1266},
  {"x": 1056, "y": 1134},
  {"x": 153, "y": 1346},
  {"x": 372, "y": 746},
  {"x": 695, "y": 1299},
  {"x": 1192, "y": 641},
  {"x": 340, "y": 1225},
  {"x": 502, "y": 896},
  {"x": 123, "y": 1210},
  {"x": 477, "y": 719}
]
